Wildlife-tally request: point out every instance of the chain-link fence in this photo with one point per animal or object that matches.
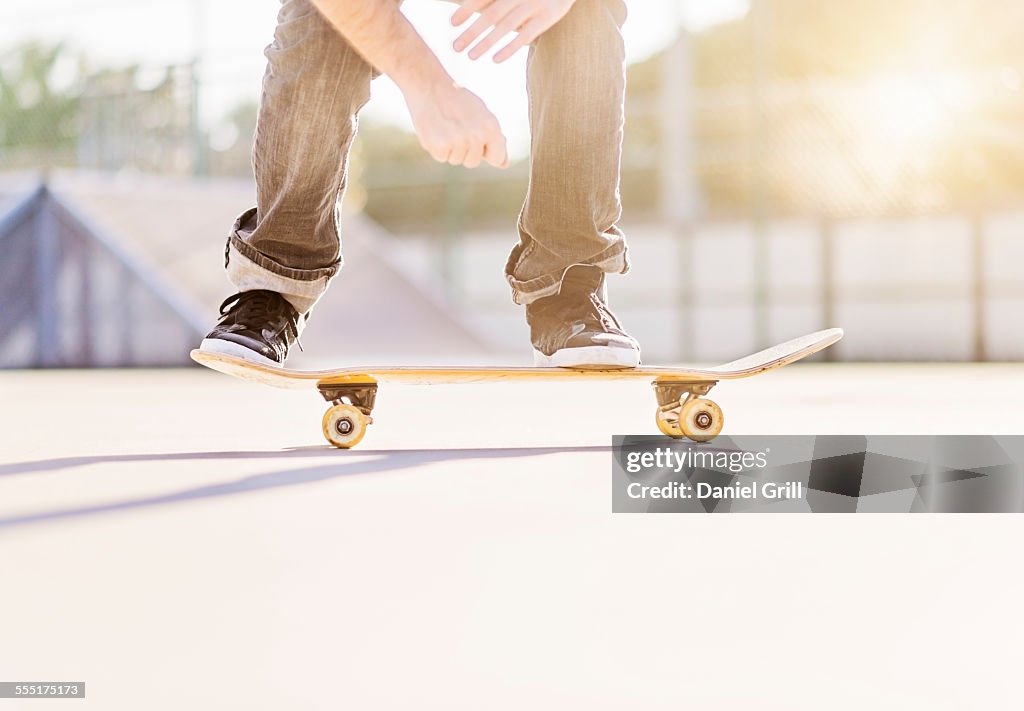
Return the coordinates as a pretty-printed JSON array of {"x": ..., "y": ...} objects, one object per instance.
[
  {"x": 798, "y": 108},
  {"x": 55, "y": 115}
]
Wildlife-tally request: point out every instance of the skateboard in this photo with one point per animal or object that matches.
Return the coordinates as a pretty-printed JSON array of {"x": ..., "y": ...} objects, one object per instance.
[{"x": 683, "y": 409}]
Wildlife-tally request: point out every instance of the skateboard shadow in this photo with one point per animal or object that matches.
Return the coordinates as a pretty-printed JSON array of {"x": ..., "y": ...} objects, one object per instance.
[{"x": 368, "y": 462}]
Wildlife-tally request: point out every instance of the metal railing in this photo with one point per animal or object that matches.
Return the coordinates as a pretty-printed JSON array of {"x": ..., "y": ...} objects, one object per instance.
[{"x": 65, "y": 279}]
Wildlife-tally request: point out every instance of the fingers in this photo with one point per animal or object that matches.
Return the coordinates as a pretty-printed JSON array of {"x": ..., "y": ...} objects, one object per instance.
[
  {"x": 510, "y": 23},
  {"x": 457, "y": 155},
  {"x": 437, "y": 152},
  {"x": 474, "y": 155},
  {"x": 496, "y": 151},
  {"x": 471, "y": 153},
  {"x": 527, "y": 34},
  {"x": 454, "y": 126},
  {"x": 492, "y": 150},
  {"x": 468, "y": 9},
  {"x": 496, "y": 20},
  {"x": 493, "y": 14}
]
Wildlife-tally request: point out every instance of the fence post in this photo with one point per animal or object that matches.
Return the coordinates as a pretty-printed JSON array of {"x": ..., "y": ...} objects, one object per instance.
[
  {"x": 679, "y": 186},
  {"x": 47, "y": 273},
  {"x": 759, "y": 28},
  {"x": 979, "y": 293},
  {"x": 86, "y": 305},
  {"x": 126, "y": 314},
  {"x": 455, "y": 207},
  {"x": 828, "y": 279}
]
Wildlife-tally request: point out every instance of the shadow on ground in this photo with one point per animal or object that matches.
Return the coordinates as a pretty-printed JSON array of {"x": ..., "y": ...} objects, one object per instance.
[{"x": 363, "y": 462}]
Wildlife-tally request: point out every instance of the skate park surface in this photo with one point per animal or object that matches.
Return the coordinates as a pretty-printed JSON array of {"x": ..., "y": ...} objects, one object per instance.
[{"x": 179, "y": 539}]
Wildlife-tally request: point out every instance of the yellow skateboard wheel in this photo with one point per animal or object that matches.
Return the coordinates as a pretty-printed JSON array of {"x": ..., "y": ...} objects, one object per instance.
[
  {"x": 344, "y": 426},
  {"x": 701, "y": 419}
]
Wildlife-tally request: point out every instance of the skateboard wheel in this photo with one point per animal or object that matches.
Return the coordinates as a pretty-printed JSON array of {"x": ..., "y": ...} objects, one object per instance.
[
  {"x": 668, "y": 424},
  {"x": 344, "y": 426},
  {"x": 701, "y": 419}
]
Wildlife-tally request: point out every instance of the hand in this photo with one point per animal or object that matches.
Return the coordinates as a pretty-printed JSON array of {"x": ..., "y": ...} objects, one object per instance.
[
  {"x": 454, "y": 126},
  {"x": 528, "y": 19}
]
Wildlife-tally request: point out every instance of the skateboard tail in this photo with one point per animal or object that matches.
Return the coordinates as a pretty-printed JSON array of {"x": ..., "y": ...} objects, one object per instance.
[{"x": 243, "y": 370}]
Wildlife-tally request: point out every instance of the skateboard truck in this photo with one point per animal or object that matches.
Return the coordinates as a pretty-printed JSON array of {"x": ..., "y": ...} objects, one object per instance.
[
  {"x": 345, "y": 422},
  {"x": 683, "y": 411}
]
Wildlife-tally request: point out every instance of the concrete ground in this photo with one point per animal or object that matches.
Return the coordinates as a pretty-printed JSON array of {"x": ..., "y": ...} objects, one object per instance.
[{"x": 182, "y": 540}]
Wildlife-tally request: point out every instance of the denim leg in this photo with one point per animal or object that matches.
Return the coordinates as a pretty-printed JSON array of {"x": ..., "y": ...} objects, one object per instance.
[
  {"x": 576, "y": 83},
  {"x": 314, "y": 86}
]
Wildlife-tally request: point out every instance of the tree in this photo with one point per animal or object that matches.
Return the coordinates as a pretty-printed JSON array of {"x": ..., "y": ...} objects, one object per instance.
[{"x": 39, "y": 103}]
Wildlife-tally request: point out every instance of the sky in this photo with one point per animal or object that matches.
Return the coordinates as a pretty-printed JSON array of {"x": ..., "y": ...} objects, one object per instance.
[{"x": 229, "y": 36}]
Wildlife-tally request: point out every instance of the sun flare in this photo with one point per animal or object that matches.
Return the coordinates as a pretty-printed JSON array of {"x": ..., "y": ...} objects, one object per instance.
[{"x": 910, "y": 112}]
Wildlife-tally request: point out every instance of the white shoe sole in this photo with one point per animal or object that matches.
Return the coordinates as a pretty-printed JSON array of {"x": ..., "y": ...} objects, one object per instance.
[
  {"x": 594, "y": 357},
  {"x": 216, "y": 345}
]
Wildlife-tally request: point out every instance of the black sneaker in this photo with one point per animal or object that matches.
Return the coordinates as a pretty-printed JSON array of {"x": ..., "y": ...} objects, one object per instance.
[
  {"x": 260, "y": 326},
  {"x": 575, "y": 328}
]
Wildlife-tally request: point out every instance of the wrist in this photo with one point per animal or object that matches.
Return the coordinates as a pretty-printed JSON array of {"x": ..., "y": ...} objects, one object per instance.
[{"x": 423, "y": 78}]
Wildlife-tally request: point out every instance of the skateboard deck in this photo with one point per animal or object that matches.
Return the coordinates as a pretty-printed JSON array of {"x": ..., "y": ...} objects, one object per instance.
[{"x": 683, "y": 411}]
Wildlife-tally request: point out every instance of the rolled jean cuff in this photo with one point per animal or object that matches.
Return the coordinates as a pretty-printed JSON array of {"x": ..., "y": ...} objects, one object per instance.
[
  {"x": 249, "y": 275},
  {"x": 246, "y": 250},
  {"x": 614, "y": 260}
]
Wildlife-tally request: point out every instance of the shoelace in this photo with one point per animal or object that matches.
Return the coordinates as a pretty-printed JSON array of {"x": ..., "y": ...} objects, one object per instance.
[
  {"x": 262, "y": 305},
  {"x": 248, "y": 302},
  {"x": 604, "y": 315}
]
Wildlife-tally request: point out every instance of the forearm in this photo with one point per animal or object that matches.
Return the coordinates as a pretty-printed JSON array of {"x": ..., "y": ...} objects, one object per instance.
[{"x": 379, "y": 31}]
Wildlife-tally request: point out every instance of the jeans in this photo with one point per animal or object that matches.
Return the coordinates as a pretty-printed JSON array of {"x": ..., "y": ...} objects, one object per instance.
[{"x": 313, "y": 89}]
